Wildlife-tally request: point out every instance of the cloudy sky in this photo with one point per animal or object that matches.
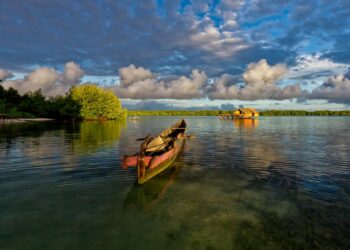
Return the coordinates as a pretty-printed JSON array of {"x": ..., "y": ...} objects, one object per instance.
[{"x": 162, "y": 54}]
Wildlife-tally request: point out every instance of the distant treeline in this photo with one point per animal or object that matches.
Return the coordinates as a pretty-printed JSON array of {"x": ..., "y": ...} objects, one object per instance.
[
  {"x": 304, "y": 113},
  {"x": 178, "y": 112},
  {"x": 222, "y": 112},
  {"x": 86, "y": 101}
]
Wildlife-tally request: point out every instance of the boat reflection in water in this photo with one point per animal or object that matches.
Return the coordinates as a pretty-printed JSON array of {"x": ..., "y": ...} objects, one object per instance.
[
  {"x": 246, "y": 124},
  {"x": 145, "y": 197}
]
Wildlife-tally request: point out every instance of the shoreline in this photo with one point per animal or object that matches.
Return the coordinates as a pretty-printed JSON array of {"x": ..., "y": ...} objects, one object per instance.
[
  {"x": 229, "y": 112},
  {"x": 23, "y": 120}
]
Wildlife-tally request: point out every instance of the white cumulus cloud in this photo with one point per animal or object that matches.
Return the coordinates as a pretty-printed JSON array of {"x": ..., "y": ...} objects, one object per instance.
[
  {"x": 260, "y": 82},
  {"x": 140, "y": 83},
  {"x": 50, "y": 81},
  {"x": 220, "y": 43},
  {"x": 4, "y": 74},
  {"x": 72, "y": 73},
  {"x": 313, "y": 66},
  {"x": 262, "y": 72},
  {"x": 335, "y": 89}
]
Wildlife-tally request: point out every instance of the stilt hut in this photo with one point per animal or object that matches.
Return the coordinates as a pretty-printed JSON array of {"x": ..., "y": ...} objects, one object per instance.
[{"x": 245, "y": 113}]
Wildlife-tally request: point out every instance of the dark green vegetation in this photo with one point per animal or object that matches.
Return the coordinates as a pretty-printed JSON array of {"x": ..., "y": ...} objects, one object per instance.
[
  {"x": 222, "y": 112},
  {"x": 34, "y": 104},
  {"x": 81, "y": 102}
]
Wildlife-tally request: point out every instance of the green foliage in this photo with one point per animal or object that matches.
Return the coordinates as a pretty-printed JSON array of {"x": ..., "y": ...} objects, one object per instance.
[
  {"x": 2, "y": 106},
  {"x": 97, "y": 103},
  {"x": 63, "y": 108},
  {"x": 14, "y": 112},
  {"x": 85, "y": 101},
  {"x": 34, "y": 103},
  {"x": 2, "y": 92},
  {"x": 12, "y": 97}
]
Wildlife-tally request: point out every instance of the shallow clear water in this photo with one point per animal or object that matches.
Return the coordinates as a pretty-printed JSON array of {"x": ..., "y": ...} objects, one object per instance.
[{"x": 276, "y": 183}]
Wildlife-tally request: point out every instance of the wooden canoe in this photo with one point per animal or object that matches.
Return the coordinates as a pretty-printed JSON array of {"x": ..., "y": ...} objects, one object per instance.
[{"x": 157, "y": 153}]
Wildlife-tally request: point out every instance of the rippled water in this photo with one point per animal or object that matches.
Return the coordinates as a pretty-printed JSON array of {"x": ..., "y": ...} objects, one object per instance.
[{"x": 276, "y": 183}]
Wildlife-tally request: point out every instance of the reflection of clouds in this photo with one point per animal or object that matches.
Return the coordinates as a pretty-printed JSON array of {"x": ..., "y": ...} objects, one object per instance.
[
  {"x": 299, "y": 151},
  {"x": 231, "y": 144},
  {"x": 40, "y": 151},
  {"x": 59, "y": 145},
  {"x": 232, "y": 192},
  {"x": 288, "y": 152}
]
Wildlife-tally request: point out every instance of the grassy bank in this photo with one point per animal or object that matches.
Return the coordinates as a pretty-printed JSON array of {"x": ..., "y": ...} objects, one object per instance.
[{"x": 220, "y": 112}]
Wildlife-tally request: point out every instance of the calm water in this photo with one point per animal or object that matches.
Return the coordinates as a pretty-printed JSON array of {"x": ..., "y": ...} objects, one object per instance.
[{"x": 276, "y": 183}]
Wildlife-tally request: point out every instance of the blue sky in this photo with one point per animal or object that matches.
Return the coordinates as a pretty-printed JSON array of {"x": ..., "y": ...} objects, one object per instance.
[{"x": 267, "y": 54}]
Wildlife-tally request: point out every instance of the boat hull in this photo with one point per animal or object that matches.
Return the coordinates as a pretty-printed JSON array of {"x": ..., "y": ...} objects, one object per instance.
[{"x": 159, "y": 163}]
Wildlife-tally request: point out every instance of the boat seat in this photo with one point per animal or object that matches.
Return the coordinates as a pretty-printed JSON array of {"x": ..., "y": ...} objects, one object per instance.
[{"x": 155, "y": 145}]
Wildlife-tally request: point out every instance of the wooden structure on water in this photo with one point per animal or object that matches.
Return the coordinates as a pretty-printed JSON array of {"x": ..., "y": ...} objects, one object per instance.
[
  {"x": 242, "y": 113},
  {"x": 246, "y": 113}
]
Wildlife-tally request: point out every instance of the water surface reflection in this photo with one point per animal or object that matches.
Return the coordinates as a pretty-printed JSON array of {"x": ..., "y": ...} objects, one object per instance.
[
  {"x": 281, "y": 183},
  {"x": 93, "y": 135},
  {"x": 145, "y": 197},
  {"x": 246, "y": 123}
]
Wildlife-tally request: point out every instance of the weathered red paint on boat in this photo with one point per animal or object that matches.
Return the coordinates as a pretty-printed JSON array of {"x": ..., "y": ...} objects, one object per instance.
[
  {"x": 131, "y": 160},
  {"x": 161, "y": 158},
  {"x": 148, "y": 166},
  {"x": 159, "y": 163}
]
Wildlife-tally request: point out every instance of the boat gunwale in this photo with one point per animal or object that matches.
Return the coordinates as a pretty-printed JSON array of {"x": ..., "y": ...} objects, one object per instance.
[{"x": 151, "y": 172}]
